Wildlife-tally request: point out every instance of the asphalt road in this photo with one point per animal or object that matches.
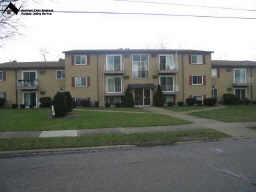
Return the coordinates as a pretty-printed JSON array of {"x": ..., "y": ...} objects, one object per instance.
[{"x": 228, "y": 166}]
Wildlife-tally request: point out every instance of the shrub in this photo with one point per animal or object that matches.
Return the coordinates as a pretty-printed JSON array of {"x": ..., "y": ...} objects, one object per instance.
[
  {"x": 85, "y": 102},
  {"x": 245, "y": 101},
  {"x": 2, "y": 102},
  {"x": 128, "y": 99},
  {"x": 254, "y": 102},
  {"x": 96, "y": 104},
  {"x": 190, "y": 101},
  {"x": 230, "y": 99},
  {"x": 158, "y": 98},
  {"x": 170, "y": 104},
  {"x": 180, "y": 103},
  {"x": 60, "y": 104},
  {"x": 69, "y": 101},
  {"x": 45, "y": 101},
  {"x": 14, "y": 106},
  {"x": 107, "y": 105},
  {"x": 210, "y": 101},
  {"x": 22, "y": 106}
]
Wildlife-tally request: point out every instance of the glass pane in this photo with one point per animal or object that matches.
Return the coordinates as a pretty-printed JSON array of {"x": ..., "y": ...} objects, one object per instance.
[
  {"x": 194, "y": 59},
  {"x": 1, "y": 75},
  {"x": 83, "y": 59},
  {"x": 111, "y": 85},
  {"x": 136, "y": 58},
  {"x": 83, "y": 81},
  {"x": 169, "y": 63},
  {"x": 78, "y": 59},
  {"x": 162, "y": 63},
  {"x": 117, "y": 63},
  {"x": 117, "y": 85}
]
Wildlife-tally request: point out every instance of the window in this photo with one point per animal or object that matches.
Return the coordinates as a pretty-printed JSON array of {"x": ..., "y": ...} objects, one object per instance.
[
  {"x": 197, "y": 80},
  {"x": 241, "y": 92},
  {"x": 166, "y": 62},
  {"x": 167, "y": 83},
  {"x": 113, "y": 63},
  {"x": 214, "y": 72},
  {"x": 239, "y": 75},
  {"x": 140, "y": 66},
  {"x": 214, "y": 92},
  {"x": 2, "y": 95},
  {"x": 1, "y": 76},
  {"x": 169, "y": 99},
  {"x": 197, "y": 59},
  {"x": 81, "y": 60},
  {"x": 81, "y": 81},
  {"x": 199, "y": 99},
  {"x": 113, "y": 85},
  {"x": 60, "y": 74}
]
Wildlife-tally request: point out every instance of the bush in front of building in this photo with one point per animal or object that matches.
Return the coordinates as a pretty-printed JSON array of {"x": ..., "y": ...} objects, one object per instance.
[
  {"x": 180, "y": 103},
  {"x": 85, "y": 102},
  {"x": 190, "y": 101},
  {"x": 211, "y": 101},
  {"x": 69, "y": 101},
  {"x": 14, "y": 106},
  {"x": 128, "y": 99},
  {"x": 245, "y": 101},
  {"x": 158, "y": 98},
  {"x": 230, "y": 99},
  {"x": 45, "y": 101},
  {"x": 2, "y": 102},
  {"x": 60, "y": 104}
]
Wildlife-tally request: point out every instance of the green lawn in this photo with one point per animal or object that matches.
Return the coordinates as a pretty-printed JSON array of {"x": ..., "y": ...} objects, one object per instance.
[
  {"x": 39, "y": 119},
  {"x": 238, "y": 113},
  {"x": 139, "y": 139},
  {"x": 184, "y": 108}
]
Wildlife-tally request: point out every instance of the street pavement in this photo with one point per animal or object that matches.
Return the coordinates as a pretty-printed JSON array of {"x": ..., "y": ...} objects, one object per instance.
[{"x": 224, "y": 166}]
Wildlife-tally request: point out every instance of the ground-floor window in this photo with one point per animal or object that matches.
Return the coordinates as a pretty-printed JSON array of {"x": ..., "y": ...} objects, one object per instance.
[
  {"x": 241, "y": 92},
  {"x": 214, "y": 92},
  {"x": 29, "y": 99},
  {"x": 113, "y": 100},
  {"x": 169, "y": 99},
  {"x": 199, "y": 99},
  {"x": 1, "y": 95}
]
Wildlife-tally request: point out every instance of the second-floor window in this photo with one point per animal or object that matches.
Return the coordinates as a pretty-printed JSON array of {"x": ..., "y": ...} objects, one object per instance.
[
  {"x": 166, "y": 62},
  {"x": 80, "y": 60},
  {"x": 60, "y": 75},
  {"x": 81, "y": 82},
  {"x": 214, "y": 72},
  {"x": 1, "y": 76},
  {"x": 197, "y": 80},
  {"x": 113, "y": 63},
  {"x": 196, "y": 59},
  {"x": 113, "y": 85},
  {"x": 140, "y": 66},
  {"x": 239, "y": 75},
  {"x": 167, "y": 83}
]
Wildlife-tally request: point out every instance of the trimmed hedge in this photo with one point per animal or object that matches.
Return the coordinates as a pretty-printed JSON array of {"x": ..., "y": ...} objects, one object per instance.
[
  {"x": 230, "y": 99},
  {"x": 2, "y": 102},
  {"x": 62, "y": 103},
  {"x": 45, "y": 101},
  {"x": 190, "y": 101},
  {"x": 210, "y": 101},
  {"x": 158, "y": 99},
  {"x": 180, "y": 103}
]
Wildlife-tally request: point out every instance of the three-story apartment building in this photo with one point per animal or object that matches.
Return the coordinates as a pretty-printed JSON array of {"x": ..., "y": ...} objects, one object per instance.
[{"x": 105, "y": 75}]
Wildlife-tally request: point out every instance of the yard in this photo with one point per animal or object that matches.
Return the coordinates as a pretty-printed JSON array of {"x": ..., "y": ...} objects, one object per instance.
[
  {"x": 237, "y": 113},
  {"x": 185, "y": 108},
  {"x": 39, "y": 119},
  {"x": 139, "y": 139}
]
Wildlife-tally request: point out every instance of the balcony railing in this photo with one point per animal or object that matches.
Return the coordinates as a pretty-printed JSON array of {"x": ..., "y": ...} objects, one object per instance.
[
  {"x": 114, "y": 71},
  {"x": 168, "y": 69},
  {"x": 140, "y": 74},
  {"x": 27, "y": 84},
  {"x": 239, "y": 82},
  {"x": 169, "y": 89}
]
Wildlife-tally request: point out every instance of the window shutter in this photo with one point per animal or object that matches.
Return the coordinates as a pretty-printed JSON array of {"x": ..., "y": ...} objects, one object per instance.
[
  {"x": 5, "y": 95},
  {"x": 204, "y": 79},
  {"x": 204, "y": 59},
  {"x": 190, "y": 80},
  {"x": 88, "y": 81},
  {"x": 88, "y": 59},
  {"x": 4, "y": 76},
  {"x": 218, "y": 72},
  {"x": 189, "y": 57},
  {"x": 73, "y": 81},
  {"x": 73, "y": 59}
]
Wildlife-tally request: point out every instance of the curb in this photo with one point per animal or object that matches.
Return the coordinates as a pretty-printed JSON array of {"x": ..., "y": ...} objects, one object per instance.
[{"x": 40, "y": 152}]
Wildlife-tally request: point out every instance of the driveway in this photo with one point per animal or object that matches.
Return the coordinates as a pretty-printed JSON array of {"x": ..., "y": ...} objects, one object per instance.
[{"x": 224, "y": 166}]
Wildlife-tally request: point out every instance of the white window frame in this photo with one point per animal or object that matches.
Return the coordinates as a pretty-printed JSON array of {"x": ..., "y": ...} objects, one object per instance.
[
  {"x": 197, "y": 55},
  {"x": 133, "y": 64},
  {"x": 121, "y": 62},
  {"x": 62, "y": 78},
  {"x": 110, "y": 77},
  {"x": 2, "y": 75},
  {"x": 173, "y": 78},
  {"x": 239, "y": 69},
  {"x": 173, "y": 61},
  {"x": 28, "y": 71},
  {"x": 214, "y": 70},
  {"x": 81, "y": 86},
  {"x": 216, "y": 92},
  {"x": 81, "y": 55},
  {"x": 198, "y": 76}
]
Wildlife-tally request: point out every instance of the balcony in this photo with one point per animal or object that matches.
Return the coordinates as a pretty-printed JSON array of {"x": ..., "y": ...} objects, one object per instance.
[
  {"x": 240, "y": 83},
  {"x": 114, "y": 71},
  {"x": 140, "y": 74},
  {"x": 170, "y": 90},
  {"x": 168, "y": 69},
  {"x": 25, "y": 84}
]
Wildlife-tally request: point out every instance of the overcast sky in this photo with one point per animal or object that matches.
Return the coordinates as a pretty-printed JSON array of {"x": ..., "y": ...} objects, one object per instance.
[{"x": 228, "y": 38}]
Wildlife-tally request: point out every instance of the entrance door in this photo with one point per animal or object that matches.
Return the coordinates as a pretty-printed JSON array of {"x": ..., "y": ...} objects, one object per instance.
[
  {"x": 241, "y": 93},
  {"x": 142, "y": 96},
  {"x": 30, "y": 99}
]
